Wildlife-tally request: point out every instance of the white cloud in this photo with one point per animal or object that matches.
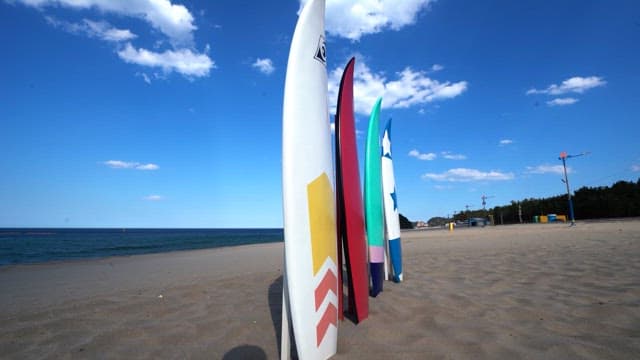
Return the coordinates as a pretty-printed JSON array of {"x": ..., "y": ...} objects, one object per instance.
[
  {"x": 467, "y": 175},
  {"x": 147, "y": 167},
  {"x": 172, "y": 20},
  {"x": 635, "y": 167},
  {"x": 437, "y": 67},
  {"x": 118, "y": 164},
  {"x": 547, "y": 169},
  {"x": 562, "y": 101},
  {"x": 575, "y": 84},
  {"x": 94, "y": 29},
  {"x": 183, "y": 61},
  {"x": 144, "y": 77},
  {"x": 413, "y": 87},
  {"x": 420, "y": 156},
  {"x": 354, "y": 19},
  {"x": 409, "y": 88},
  {"x": 154, "y": 197},
  {"x": 265, "y": 66},
  {"x": 449, "y": 156},
  {"x": 105, "y": 31},
  {"x": 504, "y": 142},
  {"x": 333, "y": 127},
  {"x": 175, "y": 21}
]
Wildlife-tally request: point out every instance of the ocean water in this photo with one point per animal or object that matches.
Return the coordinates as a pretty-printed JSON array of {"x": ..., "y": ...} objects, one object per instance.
[{"x": 19, "y": 246}]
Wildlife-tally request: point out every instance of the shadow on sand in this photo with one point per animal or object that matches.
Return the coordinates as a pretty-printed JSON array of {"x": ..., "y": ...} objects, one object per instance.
[
  {"x": 275, "y": 307},
  {"x": 245, "y": 352}
]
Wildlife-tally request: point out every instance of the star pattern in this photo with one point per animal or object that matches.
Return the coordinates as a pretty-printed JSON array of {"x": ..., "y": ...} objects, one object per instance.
[
  {"x": 386, "y": 145},
  {"x": 395, "y": 199}
]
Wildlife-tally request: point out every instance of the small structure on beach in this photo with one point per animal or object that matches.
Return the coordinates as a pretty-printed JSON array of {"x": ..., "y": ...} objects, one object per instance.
[
  {"x": 549, "y": 218},
  {"x": 478, "y": 221}
]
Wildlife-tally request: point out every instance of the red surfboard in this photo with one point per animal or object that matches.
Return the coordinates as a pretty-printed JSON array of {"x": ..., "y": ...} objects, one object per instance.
[{"x": 350, "y": 224}]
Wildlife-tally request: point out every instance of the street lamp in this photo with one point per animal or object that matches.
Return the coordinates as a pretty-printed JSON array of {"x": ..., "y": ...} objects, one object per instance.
[{"x": 564, "y": 157}]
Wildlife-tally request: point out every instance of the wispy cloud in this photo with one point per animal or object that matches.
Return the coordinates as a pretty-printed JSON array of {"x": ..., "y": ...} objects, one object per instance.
[
  {"x": 147, "y": 167},
  {"x": 171, "y": 20},
  {"x": 575, "y": 84},
  {"x": 145, "y": 77},
  {"x": 265, "y": 66},
  {"x": 450, "y": 156},
  {"x": 408, "y": 88},
  {"x": 635, "y": 167},
  {"x": 547, "y": 169},
  {"x": 505, "y": 142},
  {"x": 420, "y": 156},
  {"x": 442, "y": 187},
  {"x": 468, "y": 175},
  {"x": 119, "y": 164},
  {"x": 432, "y": 156},
  {"x": 562, "y": 101},
  {"x": 154, "y": 197},
  {"x": 183, "y": 61},
  {"x": 106, "y": 32},
  {"x": 94, "y": 29},
  {"x": 437, "y": 67},
  {"x": 354, "y": 19}
]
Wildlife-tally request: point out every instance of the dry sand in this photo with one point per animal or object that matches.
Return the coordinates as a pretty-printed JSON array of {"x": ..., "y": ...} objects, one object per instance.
[{"x": 506, "y": 292}]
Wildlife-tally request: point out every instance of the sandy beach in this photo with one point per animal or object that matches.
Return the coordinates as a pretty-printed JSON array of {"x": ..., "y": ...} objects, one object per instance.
[{"x": 538, "y": 291}]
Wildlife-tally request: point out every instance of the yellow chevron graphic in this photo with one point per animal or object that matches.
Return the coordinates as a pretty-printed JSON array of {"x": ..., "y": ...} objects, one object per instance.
[{"x": 322, "y": 220}]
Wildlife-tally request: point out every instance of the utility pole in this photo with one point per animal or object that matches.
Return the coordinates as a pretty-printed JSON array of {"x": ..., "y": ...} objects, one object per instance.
[
  {"x": 520, "y": 212},
  {"x": 484, "y": 201},
  {"x": 564, "y": 157}
]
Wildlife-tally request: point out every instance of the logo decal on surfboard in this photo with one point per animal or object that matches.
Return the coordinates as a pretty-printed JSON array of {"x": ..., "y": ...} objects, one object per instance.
[
  {"x": 322, "y": 223},
  {"x": 321, "y": 51}
]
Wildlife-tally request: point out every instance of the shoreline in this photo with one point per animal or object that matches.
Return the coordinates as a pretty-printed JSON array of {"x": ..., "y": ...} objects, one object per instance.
[
  {"x": 30, "y": 246},
  {"x": 4, "y": 267},
  {"x": 506, "y": 292},
  {"x": 108, "y": 257}
]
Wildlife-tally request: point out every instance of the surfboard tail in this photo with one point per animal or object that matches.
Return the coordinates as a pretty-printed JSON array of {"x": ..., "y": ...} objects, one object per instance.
[
  {"x": 395, "y": 251},
  {"x": 377, "y": 278}
]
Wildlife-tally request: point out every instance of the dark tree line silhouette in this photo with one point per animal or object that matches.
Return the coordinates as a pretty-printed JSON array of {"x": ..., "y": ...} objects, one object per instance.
[
  {"x": 405, "y": 223},
  {"x": 621, "y": 199}
]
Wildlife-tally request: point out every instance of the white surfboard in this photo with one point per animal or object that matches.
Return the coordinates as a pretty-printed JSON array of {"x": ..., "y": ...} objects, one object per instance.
[
  {"x": 309, "y": 194},
  {"x": 391, "y": 214}
]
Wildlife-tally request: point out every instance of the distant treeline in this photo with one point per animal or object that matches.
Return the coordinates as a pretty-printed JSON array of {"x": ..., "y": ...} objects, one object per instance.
[
  {"x": 622, "y": 199},
  {"x": 405, "y": 223}
]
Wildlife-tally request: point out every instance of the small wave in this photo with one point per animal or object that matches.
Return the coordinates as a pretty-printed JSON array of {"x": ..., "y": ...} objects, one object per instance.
[{"x": 125, "y": 248}]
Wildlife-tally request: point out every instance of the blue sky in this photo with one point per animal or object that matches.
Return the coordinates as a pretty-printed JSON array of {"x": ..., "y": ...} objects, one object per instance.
[{"x": 168, "y": 113}]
